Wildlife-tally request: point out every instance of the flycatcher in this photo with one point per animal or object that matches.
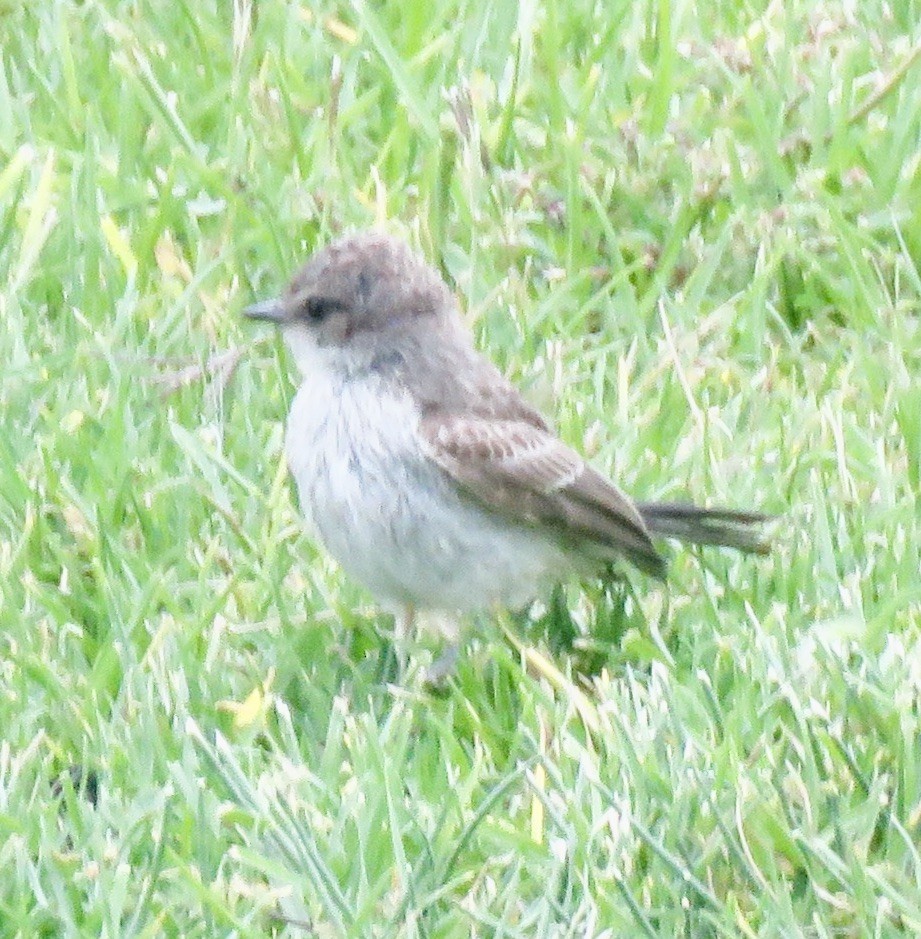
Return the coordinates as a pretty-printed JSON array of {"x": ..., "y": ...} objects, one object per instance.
[{"x": 421, "y": 468}]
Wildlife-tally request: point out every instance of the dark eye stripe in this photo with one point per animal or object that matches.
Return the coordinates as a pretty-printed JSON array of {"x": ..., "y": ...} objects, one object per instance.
[{"x": 316, "y": 309}]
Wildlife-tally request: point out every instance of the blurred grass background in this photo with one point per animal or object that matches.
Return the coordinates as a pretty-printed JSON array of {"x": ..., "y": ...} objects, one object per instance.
[{"x": 691, "y": 232}]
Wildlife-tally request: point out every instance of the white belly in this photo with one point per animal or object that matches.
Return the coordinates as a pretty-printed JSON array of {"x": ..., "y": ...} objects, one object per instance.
[{"x": 392, "y": 519}]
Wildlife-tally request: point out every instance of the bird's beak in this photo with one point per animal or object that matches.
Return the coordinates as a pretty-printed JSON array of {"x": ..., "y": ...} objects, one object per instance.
[{"x": 273, "y": 311}]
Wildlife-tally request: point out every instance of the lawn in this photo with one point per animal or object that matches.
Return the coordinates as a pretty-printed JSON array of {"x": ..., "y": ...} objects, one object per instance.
[{"x": 691, "y": 233}]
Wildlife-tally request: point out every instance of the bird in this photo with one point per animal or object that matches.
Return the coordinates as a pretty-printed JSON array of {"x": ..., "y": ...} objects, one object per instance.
[{"x": 421, "y": 468}]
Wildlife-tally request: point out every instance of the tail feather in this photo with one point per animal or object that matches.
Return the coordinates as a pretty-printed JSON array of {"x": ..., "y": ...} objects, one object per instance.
[{"x": 723, "y": 527}]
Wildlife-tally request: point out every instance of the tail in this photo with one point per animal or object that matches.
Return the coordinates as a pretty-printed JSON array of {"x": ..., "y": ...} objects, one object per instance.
[{"x": 722, "y": 527}]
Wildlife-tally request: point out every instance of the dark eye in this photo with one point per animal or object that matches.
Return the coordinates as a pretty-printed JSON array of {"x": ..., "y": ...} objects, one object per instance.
[{"x": 316, "y": 309}]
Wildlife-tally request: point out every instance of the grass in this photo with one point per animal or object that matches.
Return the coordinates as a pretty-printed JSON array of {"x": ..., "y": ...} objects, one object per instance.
[{"x": 691, "y": 233}]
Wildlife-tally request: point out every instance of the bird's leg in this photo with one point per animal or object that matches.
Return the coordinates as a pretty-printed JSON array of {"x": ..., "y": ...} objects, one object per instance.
[
  {"x": 444, "y": 664},
  {"x": 403, "y": 624},
  {"x": 443, "y": 667}
]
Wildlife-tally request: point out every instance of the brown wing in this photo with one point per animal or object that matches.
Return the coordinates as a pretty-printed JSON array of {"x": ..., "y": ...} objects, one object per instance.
[{"x": 521, "y": 470}]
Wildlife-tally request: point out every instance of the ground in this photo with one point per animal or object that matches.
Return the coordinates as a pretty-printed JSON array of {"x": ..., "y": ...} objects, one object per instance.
[{"x": 691, "y": 233}]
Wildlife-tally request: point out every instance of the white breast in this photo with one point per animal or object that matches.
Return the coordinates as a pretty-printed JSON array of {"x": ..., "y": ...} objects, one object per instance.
[{"x": 391, "y": 518}]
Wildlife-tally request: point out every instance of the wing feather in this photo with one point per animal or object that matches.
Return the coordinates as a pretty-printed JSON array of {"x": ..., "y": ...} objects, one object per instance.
[{"x": 521, "y": 470}]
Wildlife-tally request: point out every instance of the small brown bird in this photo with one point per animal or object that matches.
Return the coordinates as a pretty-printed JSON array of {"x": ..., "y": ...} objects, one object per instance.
[{"x": 422, "y": 469}]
